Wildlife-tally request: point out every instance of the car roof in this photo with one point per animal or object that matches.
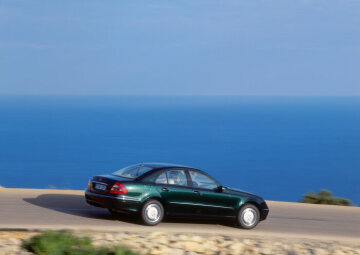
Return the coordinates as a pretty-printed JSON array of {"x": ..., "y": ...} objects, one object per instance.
[
  {"x": 160, "y": 166},
  {"x": 156, "y": 165}
]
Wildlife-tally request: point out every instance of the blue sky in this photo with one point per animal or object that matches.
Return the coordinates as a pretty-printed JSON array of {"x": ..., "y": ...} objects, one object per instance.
[{"x": 188, "y": 47}]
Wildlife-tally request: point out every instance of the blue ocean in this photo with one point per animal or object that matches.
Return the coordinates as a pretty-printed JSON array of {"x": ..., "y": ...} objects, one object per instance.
[{"x": 277, "y": 147}]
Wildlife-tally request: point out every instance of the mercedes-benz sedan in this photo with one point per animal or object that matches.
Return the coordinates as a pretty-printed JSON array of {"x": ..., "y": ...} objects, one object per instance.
[{"x": 153, "y": 190}]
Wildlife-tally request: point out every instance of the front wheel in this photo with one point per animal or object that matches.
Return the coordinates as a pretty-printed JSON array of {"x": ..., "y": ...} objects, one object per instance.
[
  {"x": 248, "y": 216},
  {"x": 152, "y": 213}
]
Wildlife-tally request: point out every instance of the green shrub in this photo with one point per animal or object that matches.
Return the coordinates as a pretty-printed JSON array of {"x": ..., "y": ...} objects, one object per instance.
[
  {"x": 64, "y": 243},
  {"x": 324, "y": 197},
  {"x": 116, "y": 250}
]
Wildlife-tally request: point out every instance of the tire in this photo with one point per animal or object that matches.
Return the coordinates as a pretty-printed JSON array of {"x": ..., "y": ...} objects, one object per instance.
[
  {"x": 248, "y": 216},
  {"x": 152, "y": 212}
]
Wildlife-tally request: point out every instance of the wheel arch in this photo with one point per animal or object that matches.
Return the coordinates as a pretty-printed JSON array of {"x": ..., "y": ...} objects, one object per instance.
[
  {"x": 252, "y": 202},
  {"x": 157, "y": 198}
]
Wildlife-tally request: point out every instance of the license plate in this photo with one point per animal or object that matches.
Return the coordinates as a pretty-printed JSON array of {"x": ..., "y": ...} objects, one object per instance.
[{"x": 100, "y": 186}]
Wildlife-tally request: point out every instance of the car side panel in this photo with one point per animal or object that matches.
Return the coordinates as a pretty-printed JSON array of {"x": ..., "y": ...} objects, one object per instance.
[
  {"x": 218, "y": 204},
  {"x": 178, "y": 200},
  {"x": 137, "y": 191}
]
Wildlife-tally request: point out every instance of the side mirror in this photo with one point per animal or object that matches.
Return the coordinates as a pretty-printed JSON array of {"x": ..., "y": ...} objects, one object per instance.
[{"x": 220, "y": 188}]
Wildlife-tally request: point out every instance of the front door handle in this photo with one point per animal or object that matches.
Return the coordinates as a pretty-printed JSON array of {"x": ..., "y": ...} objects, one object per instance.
[
  {"x": 165, "y": 189},
  {"x": 197, "y": 192}
]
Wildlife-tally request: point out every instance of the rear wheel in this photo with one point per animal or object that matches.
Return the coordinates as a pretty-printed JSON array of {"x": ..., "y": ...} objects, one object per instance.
[
  {"x": 248, "y": 216},
  {"x": 152, "y": 213}
]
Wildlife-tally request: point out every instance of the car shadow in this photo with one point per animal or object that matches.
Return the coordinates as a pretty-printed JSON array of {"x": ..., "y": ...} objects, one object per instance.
[
  {"x": 69, "y": 204},
  {"x": 76, "y": 205}
]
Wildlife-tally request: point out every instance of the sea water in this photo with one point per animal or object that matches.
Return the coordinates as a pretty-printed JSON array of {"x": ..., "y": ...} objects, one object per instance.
[{"x": 276, "y": 147}]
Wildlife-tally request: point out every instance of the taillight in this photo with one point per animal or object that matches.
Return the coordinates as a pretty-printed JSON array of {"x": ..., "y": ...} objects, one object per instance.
[
  {"x": 118, "y": 188},
  {"x": 89, "y": 184}
]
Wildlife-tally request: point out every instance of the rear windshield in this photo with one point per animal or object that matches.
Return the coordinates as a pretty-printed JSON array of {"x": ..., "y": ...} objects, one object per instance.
[{"x": 132, "y": 171}]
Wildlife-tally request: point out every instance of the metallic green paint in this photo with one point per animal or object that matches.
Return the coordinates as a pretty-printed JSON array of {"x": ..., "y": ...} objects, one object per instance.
[{"x": 177, "y": 200}]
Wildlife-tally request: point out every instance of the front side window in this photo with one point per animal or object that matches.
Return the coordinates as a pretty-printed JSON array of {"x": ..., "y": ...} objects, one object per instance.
[
  {"x": 177, "y": 177},
  {"x": 202, "y": 181},
  {"x": 132, "y": 171}
]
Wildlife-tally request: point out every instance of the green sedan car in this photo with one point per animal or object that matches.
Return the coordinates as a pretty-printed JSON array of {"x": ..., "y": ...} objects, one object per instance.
[{"x": 153, "y": 190}]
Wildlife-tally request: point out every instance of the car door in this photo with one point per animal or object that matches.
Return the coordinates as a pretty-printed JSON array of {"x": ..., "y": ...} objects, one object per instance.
[
  {"x": 175, "y": 190},
  {"x": 211, "y": 200}
]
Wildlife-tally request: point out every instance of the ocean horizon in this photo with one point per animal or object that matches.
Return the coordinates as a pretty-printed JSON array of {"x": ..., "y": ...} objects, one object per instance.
[{"x": 277, "y": 147}]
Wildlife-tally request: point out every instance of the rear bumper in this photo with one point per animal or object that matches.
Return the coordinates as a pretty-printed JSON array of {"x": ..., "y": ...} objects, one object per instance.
[
  {"x": 264, "y": 211},
  {"x": 117, "y": 203}
]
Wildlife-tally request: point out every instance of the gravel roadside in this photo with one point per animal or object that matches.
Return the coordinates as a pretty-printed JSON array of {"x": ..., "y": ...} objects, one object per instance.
[{"x": 181, "y": 244}]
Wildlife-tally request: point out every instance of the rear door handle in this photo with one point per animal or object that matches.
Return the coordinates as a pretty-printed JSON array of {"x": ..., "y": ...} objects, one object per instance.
[
  {"x": 197, "y": 192},
  {"x": 164, "y": 189}
]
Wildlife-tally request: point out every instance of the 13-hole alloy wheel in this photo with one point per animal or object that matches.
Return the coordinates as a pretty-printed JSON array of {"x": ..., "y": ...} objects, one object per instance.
[
  {"x": 248, "y": 216},
  {"x": 152, "y": 212}
]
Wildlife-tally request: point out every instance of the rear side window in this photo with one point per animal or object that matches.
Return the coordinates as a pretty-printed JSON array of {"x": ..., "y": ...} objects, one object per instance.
[
  {"x": 161, "y": 179},
  {"x": 177, "y": 177}
]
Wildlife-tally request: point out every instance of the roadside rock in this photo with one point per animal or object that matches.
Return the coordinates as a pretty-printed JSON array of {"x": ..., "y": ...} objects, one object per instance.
[{"x": 162, "y": 243}]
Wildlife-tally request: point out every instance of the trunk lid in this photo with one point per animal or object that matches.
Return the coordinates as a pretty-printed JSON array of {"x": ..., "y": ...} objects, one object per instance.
[{"x": 102, "y": 183}]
